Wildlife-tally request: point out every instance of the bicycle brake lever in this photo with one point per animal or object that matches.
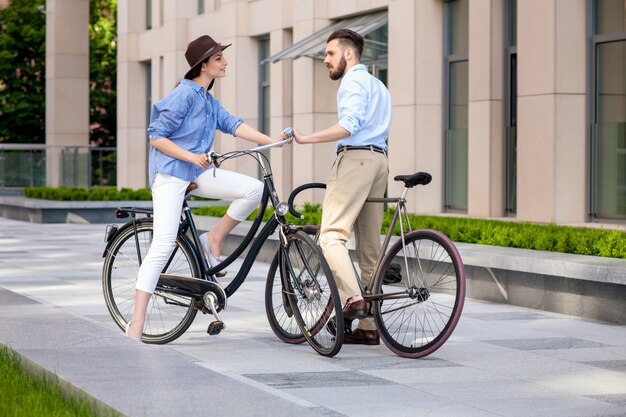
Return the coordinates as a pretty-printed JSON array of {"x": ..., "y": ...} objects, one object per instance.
[{"x": 213, "y": 157}]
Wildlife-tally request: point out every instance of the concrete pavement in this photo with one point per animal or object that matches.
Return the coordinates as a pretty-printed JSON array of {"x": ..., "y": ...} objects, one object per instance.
[{"x": 501, "y": 361}]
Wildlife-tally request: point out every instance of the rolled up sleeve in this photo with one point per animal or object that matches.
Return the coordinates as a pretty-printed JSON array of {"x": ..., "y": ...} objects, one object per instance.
[
  {"x": 351, "y": 103},
  {"x": 226, "y": 122}
]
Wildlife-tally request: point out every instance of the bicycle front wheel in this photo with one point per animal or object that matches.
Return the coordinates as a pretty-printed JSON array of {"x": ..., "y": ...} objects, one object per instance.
[
  {"x": 419, "y": 293},
  {"x": 312, "y": 293},
  {"x": 168, "y": 314},
  {"x": 279, "y": 313}
]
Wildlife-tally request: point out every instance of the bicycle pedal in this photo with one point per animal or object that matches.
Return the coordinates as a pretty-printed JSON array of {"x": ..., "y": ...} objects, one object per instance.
[{"x": 216, "y": 327}]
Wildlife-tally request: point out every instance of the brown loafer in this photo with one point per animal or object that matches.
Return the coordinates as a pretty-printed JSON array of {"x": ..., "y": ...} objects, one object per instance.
[
  {"x": 355, "y": 310},
  {"x": 362, "y": 337}
]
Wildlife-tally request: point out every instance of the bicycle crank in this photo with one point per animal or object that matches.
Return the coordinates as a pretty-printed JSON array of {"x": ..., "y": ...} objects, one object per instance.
[{"x": 210, "y": 301}]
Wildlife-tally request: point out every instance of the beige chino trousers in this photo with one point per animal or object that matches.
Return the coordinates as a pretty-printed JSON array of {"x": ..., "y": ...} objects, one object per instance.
[{"x": 355, "y": 176}]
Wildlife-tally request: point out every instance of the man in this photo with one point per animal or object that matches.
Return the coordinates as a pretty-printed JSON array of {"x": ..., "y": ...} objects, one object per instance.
[{"x": 359, "y": 172}]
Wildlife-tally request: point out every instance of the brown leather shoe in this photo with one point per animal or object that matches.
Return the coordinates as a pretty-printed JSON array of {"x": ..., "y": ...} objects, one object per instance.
[
  {"x": 355, "y": 310},
  {"x": 362, "y": 337}
]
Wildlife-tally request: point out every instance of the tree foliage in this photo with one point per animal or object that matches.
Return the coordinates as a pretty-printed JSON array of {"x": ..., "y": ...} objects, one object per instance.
[
  {"x": 102, "y": 72},
  {"x": 22, "y": 72}
]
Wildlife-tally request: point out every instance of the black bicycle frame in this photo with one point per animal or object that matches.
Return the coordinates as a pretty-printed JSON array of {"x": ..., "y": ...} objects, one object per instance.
[{"x": 269, "y": 194}]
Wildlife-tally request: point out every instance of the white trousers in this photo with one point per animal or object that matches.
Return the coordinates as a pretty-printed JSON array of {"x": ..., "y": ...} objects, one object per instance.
[{"x": 168, "y": 194}]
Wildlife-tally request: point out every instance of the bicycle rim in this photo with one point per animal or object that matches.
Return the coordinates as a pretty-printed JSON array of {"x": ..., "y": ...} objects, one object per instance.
[
  {"x": 312, "y": 294},
  {"x": 279, "y": 312},
  {"x": 168, "y": 314},
  {"x": 427, "y": 299}
]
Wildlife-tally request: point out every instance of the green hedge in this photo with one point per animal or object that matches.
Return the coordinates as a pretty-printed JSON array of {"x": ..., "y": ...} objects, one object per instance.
[
  {"x": 552, "y": 238},
  {"x": 91, "y": 194}
]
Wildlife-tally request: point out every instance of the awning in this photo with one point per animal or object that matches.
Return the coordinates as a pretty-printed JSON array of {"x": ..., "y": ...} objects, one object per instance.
[{"x": 314, "y": 46}]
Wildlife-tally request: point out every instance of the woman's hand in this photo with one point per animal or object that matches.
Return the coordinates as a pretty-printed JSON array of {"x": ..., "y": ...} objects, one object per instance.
[{"x": 201, "y": 160}]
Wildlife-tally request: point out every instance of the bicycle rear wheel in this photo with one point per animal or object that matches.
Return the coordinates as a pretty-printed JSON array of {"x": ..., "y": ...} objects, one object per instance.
[
  {"x": 277, "y": 308},
  {"x": 312, "y": 293},
  {"x": 423, "y": 285},
  {"x": 168, "y": 314}
]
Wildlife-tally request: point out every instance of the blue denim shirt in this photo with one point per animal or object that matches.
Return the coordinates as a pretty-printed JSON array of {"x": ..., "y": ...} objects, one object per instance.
[
  {"x": 364, "y": 108},
  {"x": 189, "y": 119}
]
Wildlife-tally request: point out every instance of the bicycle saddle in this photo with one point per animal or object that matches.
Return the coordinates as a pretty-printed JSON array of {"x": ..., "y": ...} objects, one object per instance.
[{"x": 419, "y": 178}]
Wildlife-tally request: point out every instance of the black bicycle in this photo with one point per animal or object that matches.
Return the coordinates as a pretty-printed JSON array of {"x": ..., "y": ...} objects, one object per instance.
[{"x": 188, "y": 284}]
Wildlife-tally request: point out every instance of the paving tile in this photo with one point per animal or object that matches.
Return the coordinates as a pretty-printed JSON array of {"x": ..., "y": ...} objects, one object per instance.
[
  {"x": 502, "y": 360},
  {"x": 546, "y": 343}
]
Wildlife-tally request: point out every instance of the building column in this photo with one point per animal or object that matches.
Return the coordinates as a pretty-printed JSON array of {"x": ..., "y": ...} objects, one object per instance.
[
  {"x": 132, "y": 100},
  {"x": 314, "y": 105},
  {"x": 67, "y": 85},
  {"x": 281, "y": 106},
  {"x": 486, "y": 173},
  {"x": 551, "y": 150},
  {"x": 428, "y": 132}
]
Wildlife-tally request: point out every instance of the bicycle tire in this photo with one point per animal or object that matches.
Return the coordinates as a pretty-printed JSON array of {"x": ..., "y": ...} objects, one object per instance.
[
  {"x": 277, "y": 309},
  {"x": 168, "y": 315},
  {"x": 312, "y": 293},
  {"x": 419, "y": 322}
]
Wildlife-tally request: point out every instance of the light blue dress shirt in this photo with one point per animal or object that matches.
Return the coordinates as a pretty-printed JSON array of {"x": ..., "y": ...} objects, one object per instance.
[
  {"x": 188, "y": 118},
  {"x": 364, "y": 108}
]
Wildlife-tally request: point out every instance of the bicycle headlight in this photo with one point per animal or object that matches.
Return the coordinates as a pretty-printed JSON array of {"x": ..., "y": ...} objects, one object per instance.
[{"x": 282, "y": 208}]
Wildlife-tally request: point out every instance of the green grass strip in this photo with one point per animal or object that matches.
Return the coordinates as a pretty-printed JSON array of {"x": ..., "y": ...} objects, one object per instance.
[
  {"x": 550, "y": 237},
  {"x": 24, "y": 396}
]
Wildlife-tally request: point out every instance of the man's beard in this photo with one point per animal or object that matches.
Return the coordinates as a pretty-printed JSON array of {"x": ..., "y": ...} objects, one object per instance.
[{"x": 335, "y": 75}]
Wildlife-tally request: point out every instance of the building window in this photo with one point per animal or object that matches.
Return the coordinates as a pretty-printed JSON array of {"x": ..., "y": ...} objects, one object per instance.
[
  {"x": 375, "y": 52},
  {"x": 608, "y": 110},
  {"x": 200, "y": 6},
  {"x": 456, "y": 25},
  {"x": 510, "y": 109},
  {"x": 264, "y": 90},
  {"x": 264, "y": 86},
  {"x": 148, "y": 14}
]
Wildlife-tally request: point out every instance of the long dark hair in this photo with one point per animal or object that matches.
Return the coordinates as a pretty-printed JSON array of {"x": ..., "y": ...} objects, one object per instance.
[{"x": 195, "y": 72}]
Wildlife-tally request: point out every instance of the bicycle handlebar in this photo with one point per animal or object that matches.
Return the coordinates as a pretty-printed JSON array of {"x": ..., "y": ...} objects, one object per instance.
[
  {"x": 216, "y": 158},
  {"x": 297, "y": 191}
]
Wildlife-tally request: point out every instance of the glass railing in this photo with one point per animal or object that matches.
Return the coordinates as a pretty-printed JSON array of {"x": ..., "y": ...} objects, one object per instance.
[
  {"x": 24, "y": 165},
  {"x": 608, "y": 171}
]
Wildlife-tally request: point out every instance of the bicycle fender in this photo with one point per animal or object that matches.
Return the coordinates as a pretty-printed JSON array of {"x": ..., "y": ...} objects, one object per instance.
[{"x": 120, "y": 230}]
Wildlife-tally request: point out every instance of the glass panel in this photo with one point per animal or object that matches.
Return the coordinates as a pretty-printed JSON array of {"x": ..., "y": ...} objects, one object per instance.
[
  {"x": 200, "y": 6},
  {"x": 148, "y": 14},
  {"x": 511, "y": 138},
  {"x": 512, "y": 22},
  {"x": 75, "y": 168},
  {"x": 22, "y": 168},
  {"x": 458, "y": 26},
  {"x": 610, "y": 16},
  {"x": 610, "y": 170},
  {"x": 611, "y": 82},
  {"x": 609, "y": 139},
  {"x": 314, "y": 46},
  {"x": 103, "y": 166},
  {"x": 456, "y": 138}
]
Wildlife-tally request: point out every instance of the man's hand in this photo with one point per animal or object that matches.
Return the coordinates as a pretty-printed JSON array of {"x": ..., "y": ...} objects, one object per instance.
[{"x": 299, "y": 137}]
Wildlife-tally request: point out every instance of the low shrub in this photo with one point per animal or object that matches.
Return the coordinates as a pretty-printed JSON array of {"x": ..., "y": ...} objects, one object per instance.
[
  {"x": 550, "y": 237},
  {"x": 91, "y": 194}
]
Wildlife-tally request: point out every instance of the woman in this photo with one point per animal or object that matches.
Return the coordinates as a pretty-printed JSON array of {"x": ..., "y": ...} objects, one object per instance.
[{"x": 182, "y": 127}]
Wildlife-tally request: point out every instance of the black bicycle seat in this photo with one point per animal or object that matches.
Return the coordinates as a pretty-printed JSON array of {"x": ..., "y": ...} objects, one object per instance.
[{"x": 419, "y": 178}]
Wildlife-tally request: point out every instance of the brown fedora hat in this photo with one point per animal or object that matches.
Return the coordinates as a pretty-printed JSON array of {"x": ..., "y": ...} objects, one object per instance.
[{"x": 200, "y": 49}]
